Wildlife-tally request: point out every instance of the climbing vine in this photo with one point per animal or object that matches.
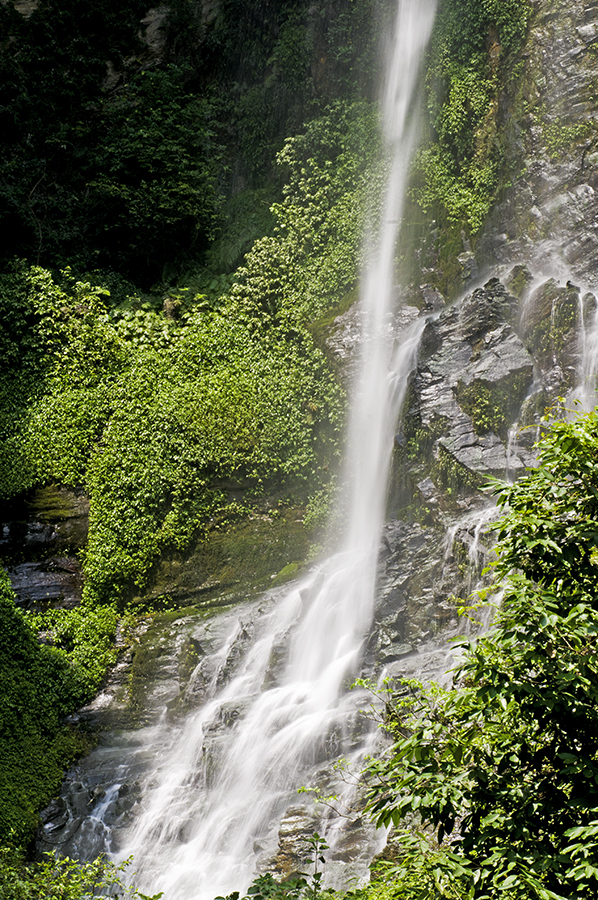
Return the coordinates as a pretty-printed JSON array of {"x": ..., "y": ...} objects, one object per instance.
[{"x": 474, "y": 46}]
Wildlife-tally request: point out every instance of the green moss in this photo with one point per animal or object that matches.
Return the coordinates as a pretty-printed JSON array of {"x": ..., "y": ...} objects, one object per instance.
[
  {"x": 290, "y": 571},
  {"x": 560, "y": 136},
  {"x": 225, "y": 559},
  {"x": 494, "y": 406},
  {"x": 473, "y": 53},
  {"x": 452, "y": 478},
  {"x": 413, "y": 458},
  {"x": 552, "y": 316},
  {"x": 518, "y": 281}
]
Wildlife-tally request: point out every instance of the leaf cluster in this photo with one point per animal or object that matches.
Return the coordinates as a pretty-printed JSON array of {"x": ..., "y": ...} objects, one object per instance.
[
  {"x": 38, "y": 687},
  {"x": 502, "y": 769},
  {"x": 62, "y": 878},
  {"x": 152, "y": 415},
  {"x": 311, "y": 261}
]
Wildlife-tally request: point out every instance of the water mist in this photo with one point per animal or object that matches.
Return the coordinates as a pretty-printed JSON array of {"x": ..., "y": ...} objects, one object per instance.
[{"x": 205, "y": 813}]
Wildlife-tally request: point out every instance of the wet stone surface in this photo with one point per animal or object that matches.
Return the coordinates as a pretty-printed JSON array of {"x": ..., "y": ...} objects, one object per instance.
[{"x": 40, "y": 536}]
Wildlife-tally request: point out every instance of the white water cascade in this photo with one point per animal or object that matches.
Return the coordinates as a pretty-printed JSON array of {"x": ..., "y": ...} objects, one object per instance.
[{"x": 206, "y": 810}]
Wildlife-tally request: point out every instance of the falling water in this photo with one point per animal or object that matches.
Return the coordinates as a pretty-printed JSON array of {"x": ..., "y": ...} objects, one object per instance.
[
  {"x": 585, "y": 393},
  {"x": 208, "y": 807}
]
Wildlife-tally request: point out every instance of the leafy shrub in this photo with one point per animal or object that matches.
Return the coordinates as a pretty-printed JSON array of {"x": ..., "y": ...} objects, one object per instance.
[
  {"x": 153, "y": 415},
  {"x": 61, "y": 878},
  {"x": 312, "y": 259},
  {"x": 501, "y": 772},
  {"x": 152, "y": 193},
  {"x": 38, "y": 687},
  {"x": 116, "y": 156}
]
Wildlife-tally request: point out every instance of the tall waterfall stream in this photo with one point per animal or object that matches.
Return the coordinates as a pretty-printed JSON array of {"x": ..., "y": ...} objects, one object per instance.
[{"x": 205, "y": 810}]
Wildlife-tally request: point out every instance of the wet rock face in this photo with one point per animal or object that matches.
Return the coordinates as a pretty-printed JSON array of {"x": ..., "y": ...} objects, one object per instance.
[
  {"x": 550, "y": 326},
  {"x": 472, "y": 376},
  {"x": 55, "y": 582},
  {"x": 296, "y": 828},
  {"x": 40, "y": 535},
  {"x": 548, "y": 217},
  {"x": 488, "y": 368}
]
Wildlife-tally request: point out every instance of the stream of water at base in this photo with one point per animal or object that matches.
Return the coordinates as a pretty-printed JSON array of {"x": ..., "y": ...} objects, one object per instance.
[{"x": 203, "y": 814}]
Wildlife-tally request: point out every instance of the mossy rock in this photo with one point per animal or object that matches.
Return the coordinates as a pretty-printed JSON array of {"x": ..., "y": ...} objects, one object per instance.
[
  {"x": 290, "y": 571},
  {"x": 549, "y": 322},
  {"x": 452, "y": 478},
  {"x": 518, "y": 280},
  {"x": 494, "y": 406},
  {"x": 242, "y": 558}
]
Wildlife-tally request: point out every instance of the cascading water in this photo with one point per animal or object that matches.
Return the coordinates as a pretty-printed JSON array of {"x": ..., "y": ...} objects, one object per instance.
[
  {"x": 206, "y": 810},
  {"x": 585, "y": 393}
]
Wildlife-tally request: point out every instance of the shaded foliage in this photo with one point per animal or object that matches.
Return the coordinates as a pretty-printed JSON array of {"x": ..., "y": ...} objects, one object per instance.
[
  {"x": 38, "y": 687},
  {"x": 116, "y": 154}
]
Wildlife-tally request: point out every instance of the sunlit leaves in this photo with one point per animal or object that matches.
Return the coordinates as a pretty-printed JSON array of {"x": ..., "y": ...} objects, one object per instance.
[{"x": 506, "y": 763}]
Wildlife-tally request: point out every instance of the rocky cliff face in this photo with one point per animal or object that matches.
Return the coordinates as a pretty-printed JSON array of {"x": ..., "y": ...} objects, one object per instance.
[
  {"x": 548, "y": 216},
  {"x": 40, "y": 537}
]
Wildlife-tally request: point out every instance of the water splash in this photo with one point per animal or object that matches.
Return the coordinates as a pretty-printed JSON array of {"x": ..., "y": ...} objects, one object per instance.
[
  {"x": 585, "y": 393},
  {"x": 212, "y": 803}
]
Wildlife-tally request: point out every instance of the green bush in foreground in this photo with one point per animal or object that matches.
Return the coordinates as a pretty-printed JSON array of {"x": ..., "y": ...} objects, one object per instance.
[
  {"x": 63, "y": 879},
  {"x": 38, "y": 687},
  {"x": 494, "y": 784}
]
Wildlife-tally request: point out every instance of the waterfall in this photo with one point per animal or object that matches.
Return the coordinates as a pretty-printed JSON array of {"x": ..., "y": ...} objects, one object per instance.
[
  {"x": 585, "y": 392},
  {"x": 209, "y": 807}
]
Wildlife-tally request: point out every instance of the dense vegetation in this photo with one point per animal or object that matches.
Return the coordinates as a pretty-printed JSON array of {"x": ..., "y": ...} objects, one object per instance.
[
  {"x": 177, "y": 252},
  {"x": 38, "y": 687},
  {"x": 60, "y": 878},
  {"x": 152, "y": 410},
  {"x": 499, "y": 773},
  {"x": 123, "y": 136},
  {"x": 473, "y": 63}
]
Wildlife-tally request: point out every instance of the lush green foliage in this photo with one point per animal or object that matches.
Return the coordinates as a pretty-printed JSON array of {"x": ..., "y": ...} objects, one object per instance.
[
  {"x": 38, "y": 687},
  {"x": 151, "y": 194},
  {"x": 312, "y": 259},
  {"x": 501, "y": 772},
  {"x": 159, "y": 413},
  {"x": 473, "y": 48},
  {"x": 154, "y": 415},
  {"x": 61, "y": 878},
  {"x": 85, "y": 635}
]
